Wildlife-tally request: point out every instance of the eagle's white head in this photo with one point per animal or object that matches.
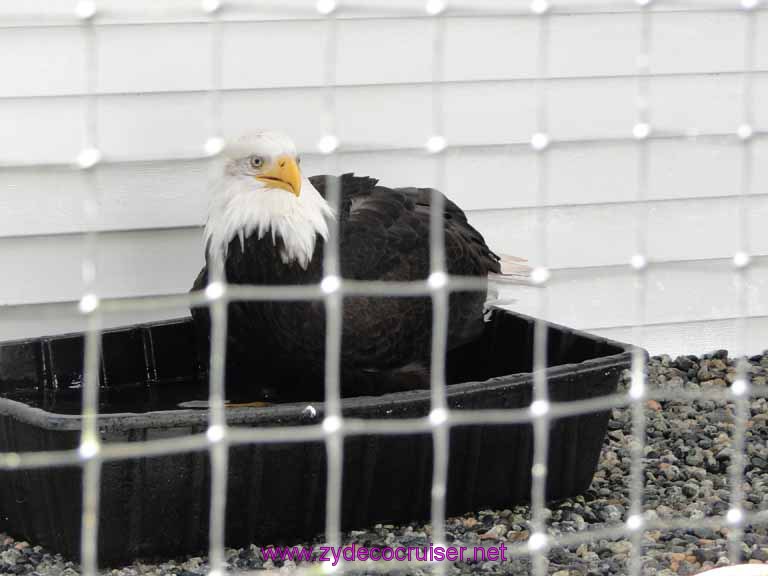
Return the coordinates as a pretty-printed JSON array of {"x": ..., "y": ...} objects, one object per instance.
[{"x": 261, "y": 190}]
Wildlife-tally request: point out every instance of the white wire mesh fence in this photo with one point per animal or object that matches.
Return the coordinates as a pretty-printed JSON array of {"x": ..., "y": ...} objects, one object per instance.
[{"x": 334, "y": 428}]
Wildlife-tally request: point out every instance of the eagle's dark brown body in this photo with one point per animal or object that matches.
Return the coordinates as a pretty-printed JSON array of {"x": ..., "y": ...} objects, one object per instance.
[{"x": 277, "y": 348}]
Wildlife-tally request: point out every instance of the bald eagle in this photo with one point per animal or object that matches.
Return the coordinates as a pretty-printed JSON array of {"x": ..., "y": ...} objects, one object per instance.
[{"x": 268, "y": 225}]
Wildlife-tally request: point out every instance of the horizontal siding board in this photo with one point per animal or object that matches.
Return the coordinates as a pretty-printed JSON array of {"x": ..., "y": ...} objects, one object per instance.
[
  {"x": 135, "y": 196},
  {"x": 604, "y": 235},
  {"x": 42, "y": 62},
  {"x": 35, "y": 320},
  {"x": 502, "y": 112},
  {"x": 139, "y": 126},
  {"x": 605, "y": 298},
  {"x": 166, "y": 261},
  {"x": 175, "y": 194},
  {"x": 761, "y": 49},
  {"x": 48, "y": 268},
  {"x": 588, "y": 45},
  {"x": 382, "y": 116},
  {"x": 711, "y": 104},
  {"x": 482, "y": 48},
  {"x": 41, "y": 131},
  {"x": 177, "y": 124},
  {"x": 760, "y": 94},
  {"x": 177, "y": 56},
  {"x": 701, "y": 43},
  {"x": 696, "y": 337},
  {"x": 385, "y": 52},
  {"x": 252, "y": 55},
  {"x": 153, "y": 58},
  {"x": 299, "y": 113}
]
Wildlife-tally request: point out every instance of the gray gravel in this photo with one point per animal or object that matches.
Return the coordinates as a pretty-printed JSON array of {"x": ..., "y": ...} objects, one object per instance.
[{"x": 686, "y": 462}]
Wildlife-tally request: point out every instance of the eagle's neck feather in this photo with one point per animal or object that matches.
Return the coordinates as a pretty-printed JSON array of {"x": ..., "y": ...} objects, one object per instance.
[{"x": 242, "y": 207}]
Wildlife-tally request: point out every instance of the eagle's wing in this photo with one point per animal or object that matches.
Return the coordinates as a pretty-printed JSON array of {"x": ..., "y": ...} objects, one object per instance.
[
  {"x": 384, "y": 235},
  {"x": 384, "y": 232},
  {"x": 466, "y": 252}
]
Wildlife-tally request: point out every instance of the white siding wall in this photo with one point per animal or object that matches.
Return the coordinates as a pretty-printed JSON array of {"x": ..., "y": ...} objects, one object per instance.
[{"x": 152, "y": 81}]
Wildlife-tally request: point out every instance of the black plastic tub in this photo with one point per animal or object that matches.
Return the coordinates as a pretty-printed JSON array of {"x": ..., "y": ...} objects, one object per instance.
[{"x": 159, "y": 506}]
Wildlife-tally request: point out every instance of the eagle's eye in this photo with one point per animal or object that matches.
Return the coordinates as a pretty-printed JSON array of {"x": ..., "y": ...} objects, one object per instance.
[
  {"x": 298, "y": 160},
  {"x": 256, "y": 161}
]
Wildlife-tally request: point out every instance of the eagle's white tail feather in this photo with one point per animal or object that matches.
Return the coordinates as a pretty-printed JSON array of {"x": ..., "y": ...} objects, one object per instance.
[
  {"x": 514, "y": 266},
  {"x": 505, "y": 279},
  {"x": 514, "y": 270}
]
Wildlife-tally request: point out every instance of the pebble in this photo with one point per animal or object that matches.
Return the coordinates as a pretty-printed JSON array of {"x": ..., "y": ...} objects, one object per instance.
[
  {"x": 686, "y": 460},
  {"x": 653, "y": 405}
]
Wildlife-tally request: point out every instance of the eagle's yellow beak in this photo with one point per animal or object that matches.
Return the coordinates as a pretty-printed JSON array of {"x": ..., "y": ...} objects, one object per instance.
[{"x": 284, "y": 173}]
